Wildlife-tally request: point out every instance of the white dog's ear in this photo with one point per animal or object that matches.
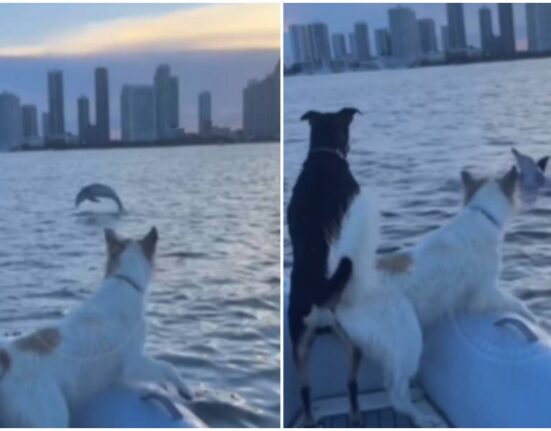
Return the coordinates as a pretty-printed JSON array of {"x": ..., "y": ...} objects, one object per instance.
[
  {"x": 508, "y": 182},
  {"x": 149, "y": 243},
  {"x": 114, "y": 244},
  {"x": 542, "y": 163},
  {"x": 467, "y": 179}
]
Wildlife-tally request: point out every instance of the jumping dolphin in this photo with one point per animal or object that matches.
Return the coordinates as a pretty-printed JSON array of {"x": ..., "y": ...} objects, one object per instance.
[
  {"x": 531, "y": 172},
  {"x": 94, "y": 191}
]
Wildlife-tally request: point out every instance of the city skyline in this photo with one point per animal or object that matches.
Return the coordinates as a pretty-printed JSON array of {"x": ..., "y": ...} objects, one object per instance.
[
  {"x": 341, "y": 18},
  {"x": 196, "y": 69}
]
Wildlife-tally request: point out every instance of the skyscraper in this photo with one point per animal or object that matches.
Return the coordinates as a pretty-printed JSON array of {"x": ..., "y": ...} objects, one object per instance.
[
  {"x": 445, "y": 34},
  {"x": 506, "y": 30},
  {"x": 166, "y": 103},
  {"x": 102, "y": 129},
  {"x": 138, "y": 113},
  {"x": 361, "y": 33},
  {"x": 261, "y": 108},
  {"x": 339, "y": 46},
  {"x": 205, "y": 113},
  {"x": 83, "y": 105},
  {"x": 56, "y": 112},
  {"x": 427, "y": 34},
  {"x": 45, "y": 125},
  {"x": 321, "y": 47},
  {"x": 300, "y": 44},
  {"x": 486, "y": 32},
  {"x": 29, "y": 119},
  {"x": 10, "y": 121},
  {"x": 538, "y": 24},
  {"x": 382, "y": 42},
  {"x": 352, "y": 44},
  {"x": 404, "y": 35},
  {"x": 456, "y": 27}
]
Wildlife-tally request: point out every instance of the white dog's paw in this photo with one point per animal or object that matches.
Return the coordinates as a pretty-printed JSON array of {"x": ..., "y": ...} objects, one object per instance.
[
  {"x": 426, "y": 420},
  {"x": 185, "y": 393}
]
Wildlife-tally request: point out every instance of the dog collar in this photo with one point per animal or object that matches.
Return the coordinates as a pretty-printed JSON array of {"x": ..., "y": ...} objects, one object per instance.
[
  {"x": 327, "y": 150},
  {"x": 131, "y": 282},
  {"x": 487, "y": 214}
]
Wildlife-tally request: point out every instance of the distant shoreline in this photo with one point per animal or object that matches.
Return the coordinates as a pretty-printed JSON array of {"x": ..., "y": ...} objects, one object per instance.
[
  {"x": 454, "y": 61},
  {"x": 128, "y": 145}
]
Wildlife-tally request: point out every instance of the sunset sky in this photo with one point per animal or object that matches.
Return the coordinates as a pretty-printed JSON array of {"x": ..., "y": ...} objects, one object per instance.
[{"x": 209, "y": 47}]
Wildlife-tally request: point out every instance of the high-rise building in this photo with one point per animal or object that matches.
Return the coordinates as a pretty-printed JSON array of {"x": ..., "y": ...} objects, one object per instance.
[
  {"x": 361, "y": 32},
  {"x": 538, "y": 24},
  {"x": 261, "y": 108},
  {"x": 427, "y": 34},
  {"x": 321, "y": 46},
  {"x": 339, "y": 46},
  {"x": 486, "y": 32},
  {"x": 102, "y": 130},
  {"x": 45, "y": 125},
  {"x": 138, "y": 113},
  {"x": 445, "y": 35},
  {"x": 456, "y": 27},
  {"x": 84, "y": 126},
  {"x": 10, "y": 121},
  {"x": 301, "y": 45},
  {"x": 29, "y": 118},
  {"x": 56, "y": 107},
  {"x": 382, "y": 42},
  {"x": 352, "y": 44},
  {"x": 205, "y": 113},
  {"x": 506, "y": 30},
  {"x": 166, "y": 103},
  {"x": 404, "y": 35}
]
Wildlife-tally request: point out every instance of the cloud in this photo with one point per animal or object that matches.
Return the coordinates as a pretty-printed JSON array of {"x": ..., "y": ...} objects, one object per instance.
[{"x": 227, "y": 27}]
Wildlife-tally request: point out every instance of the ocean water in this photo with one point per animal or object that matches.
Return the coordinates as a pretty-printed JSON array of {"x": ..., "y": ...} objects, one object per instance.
[
  {"x": 419, "y": 129},
  {"x": 214, "y": 300}
]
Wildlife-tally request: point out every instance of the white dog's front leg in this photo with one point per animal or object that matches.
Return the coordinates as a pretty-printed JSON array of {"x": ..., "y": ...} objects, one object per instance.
[
  {"x": 148, "y": 369},
  {"x": 497, "y": 300}
]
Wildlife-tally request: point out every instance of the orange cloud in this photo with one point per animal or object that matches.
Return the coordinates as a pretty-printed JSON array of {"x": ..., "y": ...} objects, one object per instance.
[{"x": 228, "y": 27}]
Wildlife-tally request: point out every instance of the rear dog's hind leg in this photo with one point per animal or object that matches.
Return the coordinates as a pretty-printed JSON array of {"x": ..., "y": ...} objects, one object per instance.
[
  {"x": 355, "y": 356},
  {"x": 302, "y": 353},
  {"x": 400, "y": 398}
]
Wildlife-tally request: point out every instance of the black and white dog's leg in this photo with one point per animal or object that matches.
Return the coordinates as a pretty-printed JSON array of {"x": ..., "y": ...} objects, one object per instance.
[
  {"x": 355, "y": 356},
  {"x": 302, "y": 353}
]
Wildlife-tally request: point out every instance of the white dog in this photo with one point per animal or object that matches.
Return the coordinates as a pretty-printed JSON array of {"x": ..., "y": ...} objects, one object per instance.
[
  {"x": 47, "y": 375},
  {"x": 388, "y": 304}
]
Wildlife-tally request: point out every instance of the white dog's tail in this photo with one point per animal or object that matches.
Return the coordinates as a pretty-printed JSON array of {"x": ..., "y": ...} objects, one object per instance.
[{"x": 358, "y": 239}]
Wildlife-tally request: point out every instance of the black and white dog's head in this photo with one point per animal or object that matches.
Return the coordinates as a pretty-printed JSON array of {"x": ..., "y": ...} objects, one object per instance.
[{"x": 329, "y": 130}]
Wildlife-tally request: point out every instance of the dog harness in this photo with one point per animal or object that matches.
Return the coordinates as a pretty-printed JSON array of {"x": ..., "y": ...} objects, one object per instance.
[
  {"x": 131, "y": 282},
  {"x": 486, "y": 214}
]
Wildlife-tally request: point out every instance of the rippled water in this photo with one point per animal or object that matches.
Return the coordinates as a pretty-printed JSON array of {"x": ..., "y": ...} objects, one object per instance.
[
  {"x": 214, "y": 303},
  {"x": 419, "y": 129}
]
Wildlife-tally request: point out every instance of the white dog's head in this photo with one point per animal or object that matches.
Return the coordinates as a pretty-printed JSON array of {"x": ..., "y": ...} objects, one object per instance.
[
  {"x": 497, "y": 196},
  {"x": 131, "y": 257}
]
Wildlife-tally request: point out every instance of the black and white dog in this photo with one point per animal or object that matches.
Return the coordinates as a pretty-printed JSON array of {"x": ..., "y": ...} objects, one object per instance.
[{"x": 321, "y": 197}]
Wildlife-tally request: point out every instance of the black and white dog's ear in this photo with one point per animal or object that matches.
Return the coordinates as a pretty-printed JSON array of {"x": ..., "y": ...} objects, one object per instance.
[
  {"x": 542, "y": 163},
  {"x": 310, "y": 115},
  {"x": 348, "y": 114}
]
